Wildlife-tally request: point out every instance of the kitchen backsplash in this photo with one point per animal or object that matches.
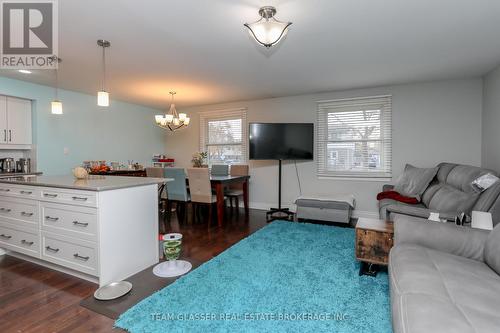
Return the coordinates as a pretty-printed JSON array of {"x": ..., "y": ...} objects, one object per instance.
[{"x": 17, "y": 154}]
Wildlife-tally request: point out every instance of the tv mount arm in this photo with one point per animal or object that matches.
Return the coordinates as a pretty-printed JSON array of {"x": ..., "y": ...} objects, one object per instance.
[{"x": 279, "y": 213}]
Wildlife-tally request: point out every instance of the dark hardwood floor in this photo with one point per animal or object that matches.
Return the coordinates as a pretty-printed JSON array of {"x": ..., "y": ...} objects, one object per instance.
[{"x": 37, "y": 299}]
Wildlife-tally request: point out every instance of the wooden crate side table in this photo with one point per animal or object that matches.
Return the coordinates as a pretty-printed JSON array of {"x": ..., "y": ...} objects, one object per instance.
[{"x": 374, "y": 240}]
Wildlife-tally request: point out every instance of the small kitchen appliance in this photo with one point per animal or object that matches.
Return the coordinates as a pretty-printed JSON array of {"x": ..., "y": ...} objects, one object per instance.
[
  {"x": 23, "y": 165},
  {"x": 7, "y": 165}
]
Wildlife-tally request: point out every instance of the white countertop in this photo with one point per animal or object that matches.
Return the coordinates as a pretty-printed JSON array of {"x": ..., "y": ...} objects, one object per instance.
[
  {"x": 92, "y": 183},
  {"x": 17, "y": 174}
]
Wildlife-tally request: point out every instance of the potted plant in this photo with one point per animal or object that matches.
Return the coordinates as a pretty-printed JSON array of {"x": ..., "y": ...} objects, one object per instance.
[{"x": 199, "y": 159}]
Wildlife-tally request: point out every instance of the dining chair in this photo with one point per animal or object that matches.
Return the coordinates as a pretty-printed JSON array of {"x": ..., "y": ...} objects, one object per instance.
[
  {"x": 220, "y": 170},
  {"x": 158, "y": 173},
  {"x": 177, "y": 192},
  {"x": 201, "y": 191},
  {"x": 234, "y": 191}
]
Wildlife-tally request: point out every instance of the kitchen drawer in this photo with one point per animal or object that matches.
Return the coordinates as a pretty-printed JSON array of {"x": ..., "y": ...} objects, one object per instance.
[
  {"x": 69, "y": 252},
  {"x": 73, "y": 197},
  {"x": 19, "y": 211},
  {"x": 26, "y": 192},
  {"x": 22, "y": 240},
  {"x": 72, "y": 221}
]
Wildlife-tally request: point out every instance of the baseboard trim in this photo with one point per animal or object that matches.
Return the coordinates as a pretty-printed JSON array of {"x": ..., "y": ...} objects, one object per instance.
[
  {"x": 54, "y": 267},
  {"x": 266, "y": 206},
  {"x": 365, "y": 214}
]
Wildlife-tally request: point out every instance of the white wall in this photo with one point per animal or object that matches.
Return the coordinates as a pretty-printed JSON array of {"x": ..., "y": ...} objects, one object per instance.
[
  {"x": 432, "y": 122},
  {"x": 491, "y": 120},
  {"x": 121, "y": 132}
]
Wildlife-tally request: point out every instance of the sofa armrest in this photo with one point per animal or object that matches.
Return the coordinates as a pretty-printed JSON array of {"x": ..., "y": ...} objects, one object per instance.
[
  {"x": 387, "y": 187},
  {"x": 416, "y": 211},
  {"x": 444, "y": 237}
]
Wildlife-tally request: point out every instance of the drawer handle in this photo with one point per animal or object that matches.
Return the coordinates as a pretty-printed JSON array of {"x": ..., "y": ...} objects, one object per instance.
[
  {"x": 49, "y": 195},
  {"x": 79, "y": 198},
  {"x": 26, "y": 192},
  {"x": 7, "y": 210},
  {"x": 5, "y": 236},
  {"x": 50, "y": 218},
  {"x": 26, "y": 214},
  {"x": 48, "y": 248},
  {"x": 77, "y": 256},
  {"x": 24, "y": 241},
  {"x": 80, "y": 223},
  {"x": 4, "y": 189}
]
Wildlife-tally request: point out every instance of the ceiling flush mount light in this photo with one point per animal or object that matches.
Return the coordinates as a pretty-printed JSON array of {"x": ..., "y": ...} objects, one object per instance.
[
  {"x": 172, "y": 120},
  {"x": 56, "y": 105},
  {"x": 268, "y": 31},
  {"x": 24, "y": 71},
  {"x": 103, "y": 95}
]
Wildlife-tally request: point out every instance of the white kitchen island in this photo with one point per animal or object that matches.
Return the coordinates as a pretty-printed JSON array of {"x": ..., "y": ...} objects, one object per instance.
[{"x": 102, "y": 229}]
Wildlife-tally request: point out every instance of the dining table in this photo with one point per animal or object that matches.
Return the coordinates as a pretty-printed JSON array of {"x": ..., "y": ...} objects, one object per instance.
[{"x": 219, "y": 183}]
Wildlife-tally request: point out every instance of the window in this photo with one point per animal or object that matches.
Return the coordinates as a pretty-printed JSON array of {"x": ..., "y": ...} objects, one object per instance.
[
  {"x": 354, "y": 137},
  {"x": 223, "y": 135}
]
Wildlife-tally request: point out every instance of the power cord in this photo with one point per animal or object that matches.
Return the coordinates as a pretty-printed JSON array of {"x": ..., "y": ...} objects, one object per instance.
[{"x": 298, "y": 178}]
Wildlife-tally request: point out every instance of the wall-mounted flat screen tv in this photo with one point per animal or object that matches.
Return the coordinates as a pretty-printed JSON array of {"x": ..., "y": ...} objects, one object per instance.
[{"x": 280, "y": 141}]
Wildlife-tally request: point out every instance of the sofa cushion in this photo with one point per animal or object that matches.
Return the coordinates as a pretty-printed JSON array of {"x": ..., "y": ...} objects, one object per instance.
[
  {"x": 415, "y": 211},
  {"x": 439, "y": 292},
  {"x": 459, "y": 178},
  {"x": 462, "y": 176},
  {"x": 413, "y": 182},
  {"x": 487, "y": 198},
  {"x": 492, "y": 249},
  {"x": 408, "y": 210},
  {"x": 451, "y": 192},
  {"x": 450, "y": 199},
  {"x": 444, "y": 171},
  {"x": 384, "y": 203},
  {"x": 429, "y": 193},
  {"x": 444, "y": 237},
  {"x": 425, "y": 314}
]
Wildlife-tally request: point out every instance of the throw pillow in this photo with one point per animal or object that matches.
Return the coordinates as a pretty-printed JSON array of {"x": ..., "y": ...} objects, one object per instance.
[{"x": 414, "y": 181}]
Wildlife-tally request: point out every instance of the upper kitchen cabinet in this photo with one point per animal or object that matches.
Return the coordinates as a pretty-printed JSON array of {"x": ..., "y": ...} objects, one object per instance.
[{"x": 15, "y": 123}]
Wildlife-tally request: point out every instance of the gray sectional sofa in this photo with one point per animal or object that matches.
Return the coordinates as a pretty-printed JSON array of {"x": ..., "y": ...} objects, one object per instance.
[
  {"x": 444, "y": 278},
  {"x": 449, "y": 194}
]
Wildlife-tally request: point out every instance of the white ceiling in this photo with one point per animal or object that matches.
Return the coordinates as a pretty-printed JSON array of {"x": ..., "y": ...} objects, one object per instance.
[{"x": 201, "y": 49}]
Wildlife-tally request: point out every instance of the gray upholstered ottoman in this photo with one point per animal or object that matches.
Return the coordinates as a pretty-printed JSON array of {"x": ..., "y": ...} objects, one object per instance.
[{"x": 335, "y": 208}]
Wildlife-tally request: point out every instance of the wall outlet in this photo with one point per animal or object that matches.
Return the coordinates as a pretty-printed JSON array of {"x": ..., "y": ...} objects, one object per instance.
[{"x": 66, "y": 151}]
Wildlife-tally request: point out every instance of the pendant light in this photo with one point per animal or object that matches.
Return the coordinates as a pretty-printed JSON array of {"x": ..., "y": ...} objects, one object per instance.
[
  {"x": 56, "y": 105},
  {"x": 172, "y": 120},
  {"x": 103, "y": 95},
  {"x": 268, "y": 31}
]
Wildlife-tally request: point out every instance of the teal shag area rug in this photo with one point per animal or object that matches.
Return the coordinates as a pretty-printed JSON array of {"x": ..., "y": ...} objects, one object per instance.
[{"x": 286, "y": 277}]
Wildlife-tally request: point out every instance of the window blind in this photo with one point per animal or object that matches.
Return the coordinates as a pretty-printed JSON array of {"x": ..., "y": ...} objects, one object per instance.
[
  {"x": 355, "y": 137},
  {"x": 223, "y": 135}
]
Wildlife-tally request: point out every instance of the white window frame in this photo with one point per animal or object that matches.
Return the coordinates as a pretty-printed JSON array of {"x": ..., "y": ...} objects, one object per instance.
[
  {"x": 225, "y": 114},
  {"x": 382, "y": 103}
]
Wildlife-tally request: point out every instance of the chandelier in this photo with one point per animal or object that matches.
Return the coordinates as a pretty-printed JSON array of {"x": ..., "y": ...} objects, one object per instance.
[
  {"x": 268, "y": 31},
  {"x": 172, "y": 120}
]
